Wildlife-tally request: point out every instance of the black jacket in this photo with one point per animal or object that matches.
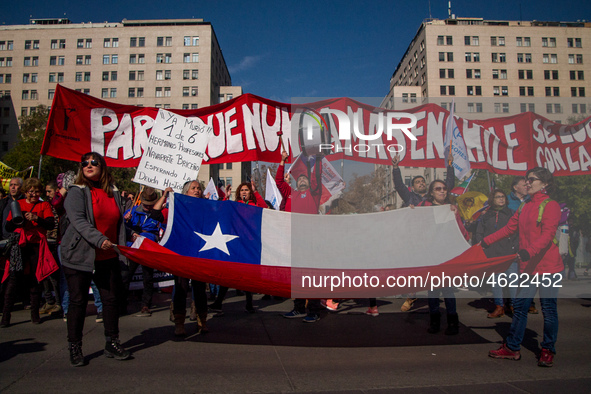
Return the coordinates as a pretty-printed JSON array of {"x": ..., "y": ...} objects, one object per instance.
[{"x": 490, "y": 222}]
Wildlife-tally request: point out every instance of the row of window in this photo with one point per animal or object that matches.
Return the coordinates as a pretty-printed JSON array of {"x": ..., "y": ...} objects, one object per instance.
[
  {"x": 550, "y": 91},
  {"x": 551, "y": 108},
  {"x": 447, "y": 73},
  {"x": 501, "y": 57},
  {"x": 136, "y": 75},
  {"x": 33, "y": 61},
  {"x": 188, "y": 91},
  {"x": 107, "y": 43},
  {"x": 574, "y": 42}
]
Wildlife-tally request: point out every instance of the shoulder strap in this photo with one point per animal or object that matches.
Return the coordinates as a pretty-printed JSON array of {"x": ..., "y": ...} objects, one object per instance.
[{"x": 541, "y": 209}]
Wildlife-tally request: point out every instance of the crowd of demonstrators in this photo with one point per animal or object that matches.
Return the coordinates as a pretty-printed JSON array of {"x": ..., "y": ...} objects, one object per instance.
[{"x": 96, "y": 216}]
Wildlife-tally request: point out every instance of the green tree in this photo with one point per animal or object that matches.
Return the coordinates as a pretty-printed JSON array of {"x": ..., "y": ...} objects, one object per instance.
[{"x": 26, "y": 151}]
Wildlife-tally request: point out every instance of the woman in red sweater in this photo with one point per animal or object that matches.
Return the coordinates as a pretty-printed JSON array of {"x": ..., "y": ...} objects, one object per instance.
[
  {"x": 30, "y": 239},
  {"x": 539, "y": 260}
]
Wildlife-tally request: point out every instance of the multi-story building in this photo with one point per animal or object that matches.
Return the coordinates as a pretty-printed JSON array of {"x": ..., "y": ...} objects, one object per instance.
[
  {"x": 493, "y": 69},
  {"x": 176, "y": 63}
]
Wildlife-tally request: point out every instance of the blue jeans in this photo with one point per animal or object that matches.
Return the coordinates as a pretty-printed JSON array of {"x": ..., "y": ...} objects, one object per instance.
[
  {"x": 548, "y": 301},
  {"x": 497, "y": 290},
  {"x": 450, "y": 300}
]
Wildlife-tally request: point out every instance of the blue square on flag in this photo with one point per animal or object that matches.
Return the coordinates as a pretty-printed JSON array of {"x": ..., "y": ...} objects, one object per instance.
[{"x": 216, "y": 230}]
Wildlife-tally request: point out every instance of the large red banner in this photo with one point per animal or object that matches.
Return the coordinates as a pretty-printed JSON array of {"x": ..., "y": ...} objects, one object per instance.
[{"x": 248, "y": 128}]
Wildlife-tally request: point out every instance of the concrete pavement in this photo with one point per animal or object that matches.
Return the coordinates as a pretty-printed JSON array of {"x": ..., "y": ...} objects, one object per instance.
[{"x": 345, "y": 351}]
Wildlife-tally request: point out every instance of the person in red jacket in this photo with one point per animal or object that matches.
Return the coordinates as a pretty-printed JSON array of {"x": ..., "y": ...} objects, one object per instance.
[{"x": 537, "y": 221}]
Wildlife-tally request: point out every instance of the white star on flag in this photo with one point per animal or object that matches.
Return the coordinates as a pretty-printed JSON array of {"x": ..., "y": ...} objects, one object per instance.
[{"x": 217, "y": 240}]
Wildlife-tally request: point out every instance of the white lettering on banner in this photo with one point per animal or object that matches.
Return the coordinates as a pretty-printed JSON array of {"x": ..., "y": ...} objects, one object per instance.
[
  {"x": 98, "y": 128},
  {"x": 141, "y": 125},
  {"x": 233, "y": 141},
  {"x": 217, "y": 142},
  {"x": 552, "y": 159},
  {"x": 572, "y": 165},
  {"x": 271, "y": 131},
  {"x": 472, "y": 132},
  {"x": 252, "y": 127},
  {"x": 511, "y": 143},
  {"x": 123, "y": 138},
  {"x": 175, "y": 149},
  {"x": 434, "y": 140},
  {"x": 539, "y": 134}
]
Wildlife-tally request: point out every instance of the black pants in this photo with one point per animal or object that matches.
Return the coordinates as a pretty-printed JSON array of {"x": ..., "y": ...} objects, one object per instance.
[
  {"x": 107, "y": 277},
  {"x": 24, "y": 280},
  {"x": 148, "y": 277},
  {"x": 181, "y": 289},
  {"x": 222, "y": 294},
  {"x": 299, "y": 304}
]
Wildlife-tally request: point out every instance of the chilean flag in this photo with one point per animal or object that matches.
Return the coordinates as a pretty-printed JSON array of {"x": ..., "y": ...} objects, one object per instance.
[{"x": 272, "y": 252}]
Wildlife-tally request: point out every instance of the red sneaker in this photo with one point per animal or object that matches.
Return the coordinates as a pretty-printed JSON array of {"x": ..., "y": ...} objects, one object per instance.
[
  {"x": 546, "y": 358},
  {"x": 505, "y": 352}
]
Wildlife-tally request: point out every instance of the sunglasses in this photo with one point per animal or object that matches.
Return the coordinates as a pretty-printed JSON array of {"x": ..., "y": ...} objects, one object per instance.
[
  {"x": 440, "y": 189},
  {"x": 94, "y": 163},
  {"x": 531, "y": 179}
]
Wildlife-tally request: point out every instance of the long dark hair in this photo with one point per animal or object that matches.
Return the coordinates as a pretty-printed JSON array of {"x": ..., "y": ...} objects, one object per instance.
[
  {"x": 430, "y": 197},
  {"x": 105, "y": 182},
  {"x": 237, "y": 194}
]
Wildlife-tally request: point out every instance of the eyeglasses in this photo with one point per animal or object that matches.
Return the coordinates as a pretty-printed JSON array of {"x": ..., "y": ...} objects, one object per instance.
[
  {"x": 503, "y": 197},
  {"x": 440, "y": 189},
  {"x": 33, "y": 192},
  {"x": 94, "y": 163},
  {"x": 531, "y": 179}
]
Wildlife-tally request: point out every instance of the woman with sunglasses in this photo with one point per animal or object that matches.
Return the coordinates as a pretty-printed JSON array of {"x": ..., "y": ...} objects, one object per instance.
[
  {"x": 495, "y": 218},
  {"x": 94, "y": 208},
  {"x": 29, "y": 252},
  {"x": 536, "y": 221},
  {"x": 438, "y": 195}
]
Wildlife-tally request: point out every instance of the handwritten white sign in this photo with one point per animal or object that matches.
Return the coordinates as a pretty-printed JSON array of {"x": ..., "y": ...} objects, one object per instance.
[{"x": 176, "y": 147}]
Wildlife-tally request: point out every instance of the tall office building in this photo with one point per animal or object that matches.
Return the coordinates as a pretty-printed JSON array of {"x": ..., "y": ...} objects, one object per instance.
[
  {"x": 493, "y": 69},
  {"x": 176, "y": 63}
]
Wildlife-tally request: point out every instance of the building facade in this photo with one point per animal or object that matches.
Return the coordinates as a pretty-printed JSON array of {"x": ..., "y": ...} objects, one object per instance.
[
  {"x": 493, "y": 69},
  {"x": 175, "y": 63}
]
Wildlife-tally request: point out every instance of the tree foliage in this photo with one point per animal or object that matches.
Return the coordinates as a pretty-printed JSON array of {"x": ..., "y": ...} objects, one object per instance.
[{"x": 26, "y": 152}]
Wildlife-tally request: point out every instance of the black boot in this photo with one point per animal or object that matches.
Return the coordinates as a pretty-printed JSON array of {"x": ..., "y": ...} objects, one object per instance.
[
  {"x": 5, "y": 319},
  {"x": 452, "y": 324},
  {"x": 113, "y": 349},
  {"x": 435, "y": 323},
  {"x": 76, "y": 356}
]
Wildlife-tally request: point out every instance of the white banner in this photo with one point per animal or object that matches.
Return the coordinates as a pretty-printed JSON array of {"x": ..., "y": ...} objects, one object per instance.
[{"x": 174, "y": 151}]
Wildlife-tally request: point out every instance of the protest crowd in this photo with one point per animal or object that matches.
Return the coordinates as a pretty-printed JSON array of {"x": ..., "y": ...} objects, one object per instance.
[{"x": 59, "y": 242}]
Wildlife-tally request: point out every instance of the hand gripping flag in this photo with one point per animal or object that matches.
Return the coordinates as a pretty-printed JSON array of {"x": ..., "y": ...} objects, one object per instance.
[{"x": 211, "y": 190}]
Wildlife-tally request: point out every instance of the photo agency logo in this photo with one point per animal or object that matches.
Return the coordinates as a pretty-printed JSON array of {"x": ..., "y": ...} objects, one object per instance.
[{"x": 358, "y": 131}]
